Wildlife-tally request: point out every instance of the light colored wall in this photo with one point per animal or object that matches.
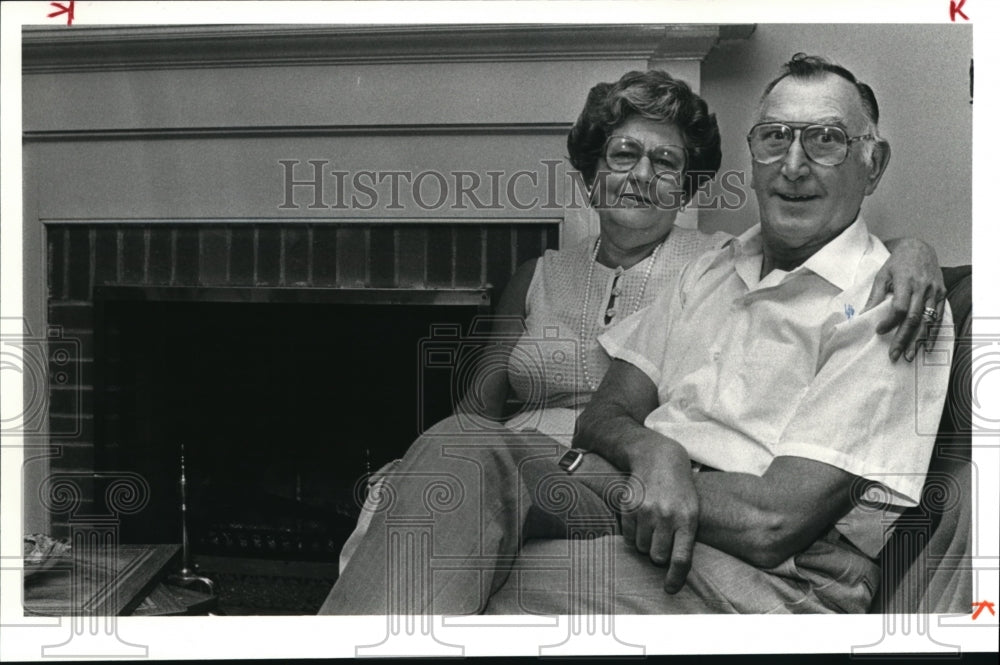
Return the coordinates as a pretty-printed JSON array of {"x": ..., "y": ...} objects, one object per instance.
[
  {"x": 222, "y": 176},
  {"x": 920, "y": 75}
]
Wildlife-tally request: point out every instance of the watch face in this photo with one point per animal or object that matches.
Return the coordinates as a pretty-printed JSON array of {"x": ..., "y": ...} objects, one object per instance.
[{"x": 570, "y": 460}]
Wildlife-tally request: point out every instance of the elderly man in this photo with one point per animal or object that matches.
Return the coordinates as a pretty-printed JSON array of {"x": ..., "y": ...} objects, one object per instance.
[
  {"x": 766, "y": 371},
  {"x": 752, "y": 421}
]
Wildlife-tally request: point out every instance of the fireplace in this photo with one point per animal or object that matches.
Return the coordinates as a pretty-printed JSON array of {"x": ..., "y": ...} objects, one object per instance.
[{"x": 286, "y": 359}]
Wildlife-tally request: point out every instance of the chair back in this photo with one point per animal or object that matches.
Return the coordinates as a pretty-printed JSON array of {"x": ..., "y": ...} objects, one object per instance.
[{"x": 925, "y": 562}]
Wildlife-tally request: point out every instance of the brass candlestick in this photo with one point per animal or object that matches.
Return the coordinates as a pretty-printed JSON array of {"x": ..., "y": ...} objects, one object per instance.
[{"x": 186, "y": 576}]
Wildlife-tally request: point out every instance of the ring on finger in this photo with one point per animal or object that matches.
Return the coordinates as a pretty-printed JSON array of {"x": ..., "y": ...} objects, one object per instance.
[{"x": 930, "y": 314}]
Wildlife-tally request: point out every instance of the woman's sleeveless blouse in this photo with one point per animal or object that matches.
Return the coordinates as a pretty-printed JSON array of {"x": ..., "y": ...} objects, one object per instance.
[{"x": 546, "y": 368}]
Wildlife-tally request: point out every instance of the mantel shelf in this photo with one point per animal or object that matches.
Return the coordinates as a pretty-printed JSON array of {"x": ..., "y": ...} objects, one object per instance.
[
  {"x": 451, "y": 296},
  {"x": 88, "y": 48}
]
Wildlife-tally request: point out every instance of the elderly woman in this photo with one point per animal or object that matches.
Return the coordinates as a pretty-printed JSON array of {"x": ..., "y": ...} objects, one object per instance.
[{"x": 644, "y": 145}]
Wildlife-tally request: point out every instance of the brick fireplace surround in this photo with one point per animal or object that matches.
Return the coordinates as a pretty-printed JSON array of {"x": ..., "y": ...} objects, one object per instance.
[{"x": 461, "y": 261}]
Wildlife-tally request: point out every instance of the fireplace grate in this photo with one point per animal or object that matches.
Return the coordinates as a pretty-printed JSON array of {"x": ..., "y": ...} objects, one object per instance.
[{"x": 267, "y": 587}]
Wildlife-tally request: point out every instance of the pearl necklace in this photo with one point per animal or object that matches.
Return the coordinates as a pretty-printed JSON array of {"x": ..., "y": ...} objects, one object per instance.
[{"x": 610, "y": 312}]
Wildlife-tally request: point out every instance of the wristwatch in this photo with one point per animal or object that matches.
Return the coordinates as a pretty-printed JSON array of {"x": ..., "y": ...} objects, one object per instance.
[{"x": 571, "y": 460}]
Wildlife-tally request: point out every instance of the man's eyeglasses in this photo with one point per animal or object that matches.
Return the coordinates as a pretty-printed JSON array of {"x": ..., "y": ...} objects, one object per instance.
[
  {"x": 622, "y": 153},
  {"x": 824, "y": 144}
]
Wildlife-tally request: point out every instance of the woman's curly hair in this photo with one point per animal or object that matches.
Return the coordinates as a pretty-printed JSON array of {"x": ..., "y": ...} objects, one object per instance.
[{"x": 652, "y": 94}]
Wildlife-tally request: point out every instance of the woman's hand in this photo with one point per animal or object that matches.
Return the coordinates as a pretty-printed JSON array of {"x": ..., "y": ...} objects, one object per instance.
[
  {"x": 913, "y": 276},
  {"x": 664, "y": 519}
]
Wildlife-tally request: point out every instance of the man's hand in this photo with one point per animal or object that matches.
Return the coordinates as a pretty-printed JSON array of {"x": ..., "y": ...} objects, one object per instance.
[
  {"x": 665, "y": 521},
  {"x": 914, "y": 278}
]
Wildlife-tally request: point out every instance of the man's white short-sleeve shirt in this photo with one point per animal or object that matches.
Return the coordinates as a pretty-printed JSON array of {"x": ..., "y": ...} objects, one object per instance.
[{"x": 750, "y": 368}]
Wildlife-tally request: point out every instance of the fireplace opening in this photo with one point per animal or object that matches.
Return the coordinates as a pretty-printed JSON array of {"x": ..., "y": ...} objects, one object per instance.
[{"x": 283, "y": 405}]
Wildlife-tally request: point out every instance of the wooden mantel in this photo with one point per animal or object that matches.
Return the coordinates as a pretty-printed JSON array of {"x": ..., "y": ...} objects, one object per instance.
[{"x": 127, "y": 47}]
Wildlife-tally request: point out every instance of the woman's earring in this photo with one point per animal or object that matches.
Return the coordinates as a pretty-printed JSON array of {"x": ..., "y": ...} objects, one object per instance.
[{"x": 684, "y": 205}]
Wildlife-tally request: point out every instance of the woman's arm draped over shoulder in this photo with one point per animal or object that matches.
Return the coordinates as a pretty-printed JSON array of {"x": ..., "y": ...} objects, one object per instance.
[{"x": 913, "y": 276}]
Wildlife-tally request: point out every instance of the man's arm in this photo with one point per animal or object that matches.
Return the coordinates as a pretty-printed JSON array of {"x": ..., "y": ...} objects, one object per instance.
[
  {"x": 665, "y": 521},
  {"x": 766, "y": 519},
  {"x": 762, "y": 520}
]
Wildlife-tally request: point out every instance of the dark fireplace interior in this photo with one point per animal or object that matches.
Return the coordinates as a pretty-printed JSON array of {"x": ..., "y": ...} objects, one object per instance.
[{"x": 282, "y": 408}]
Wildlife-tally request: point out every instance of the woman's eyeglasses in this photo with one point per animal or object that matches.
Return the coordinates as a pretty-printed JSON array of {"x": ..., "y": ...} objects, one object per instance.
[
  {"x": 622, "y": 153},
  {"x": 824, "y": 144}
]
